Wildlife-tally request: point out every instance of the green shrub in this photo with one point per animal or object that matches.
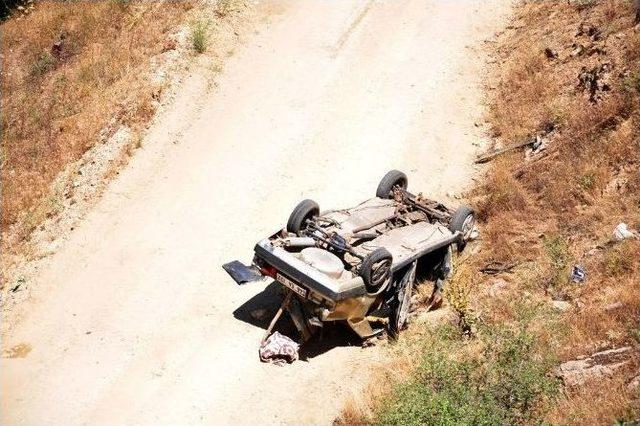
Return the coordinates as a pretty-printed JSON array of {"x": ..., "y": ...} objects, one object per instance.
[
  {"x": 587, "y": 181},
  {"x": 508, "y": 383},
  {"x": 557, "y": 249},
  {"x": 199, "y": 36},
  {"x": 631, "y": 83},
  {"x": 42, "y": 64},
  {"x": 619, "y": 260}
]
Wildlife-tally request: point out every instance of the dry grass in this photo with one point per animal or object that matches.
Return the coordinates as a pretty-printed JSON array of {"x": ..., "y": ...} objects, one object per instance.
[
  {"x": 574, "y": 197},
  {"x": 596, "y": 404},
  {"x": 550, "y": 214},
  {"x": 66, "y": 71}
]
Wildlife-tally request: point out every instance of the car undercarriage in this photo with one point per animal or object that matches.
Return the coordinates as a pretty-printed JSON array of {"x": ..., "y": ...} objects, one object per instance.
[{"x": 359, "y": 263}]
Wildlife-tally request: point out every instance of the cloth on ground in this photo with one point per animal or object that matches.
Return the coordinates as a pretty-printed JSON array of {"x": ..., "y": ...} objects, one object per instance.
[{"x": 278, "y": 349}]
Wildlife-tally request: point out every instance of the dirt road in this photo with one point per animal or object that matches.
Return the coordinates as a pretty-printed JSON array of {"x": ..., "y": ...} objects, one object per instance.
[{"x": 132, "y": 321}]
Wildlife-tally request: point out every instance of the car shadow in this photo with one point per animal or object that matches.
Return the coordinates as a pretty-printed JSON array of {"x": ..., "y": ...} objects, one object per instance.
[{"x": 260, "y": 309}]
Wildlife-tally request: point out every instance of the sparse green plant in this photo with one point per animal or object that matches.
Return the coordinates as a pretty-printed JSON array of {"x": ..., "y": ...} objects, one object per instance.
[
  {"x": 631, "y": 83},
  {"x": 457, "y": 294},
  {"x": 199, "y": 35},
  {"x": 619, "y": 260},
  {"x": 558, "y": 250},
  {"x": 587, "y": 181},
  {"x": 43, "y": 63},
  {"x": 557, "y": 274},
  {"x": 216, "y": 68},
  {"x": 508, "y": 383}
]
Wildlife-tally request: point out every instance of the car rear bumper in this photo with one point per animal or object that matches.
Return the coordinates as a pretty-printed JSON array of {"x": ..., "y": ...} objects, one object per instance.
[{"x": 303, "y": 274}]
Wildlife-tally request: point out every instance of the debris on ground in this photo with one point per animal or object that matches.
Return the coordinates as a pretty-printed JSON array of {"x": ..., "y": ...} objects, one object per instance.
[
  {"x": 496, "y": 267},
  {"x": 278, "y": 349},
  {"x": 550, "y": 53},
  {"x": 578, "y": 274},
  {"x": 537, "y": 143},
  {"x": 622, "y": 232},
  {"x": 598, "y": 365},
  {"x": 537, "y": 147},
  {"x": 561, "y": 305},
  {"x": 577, "y": 49},
  {"x": 618, "y": 185},
  {"x": 595, "y": 81},
  {"x": 490, "y": 155},
  {"x": 613, "y": 306}
]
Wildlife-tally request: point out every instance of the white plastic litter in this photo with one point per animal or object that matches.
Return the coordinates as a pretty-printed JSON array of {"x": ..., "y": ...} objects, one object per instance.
[
  {"x": 622, "y": 232},
  {"x": 474, "y": 234}
]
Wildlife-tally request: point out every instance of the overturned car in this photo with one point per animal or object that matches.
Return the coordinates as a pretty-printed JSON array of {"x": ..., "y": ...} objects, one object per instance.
[{"x": 359, "y": 263}]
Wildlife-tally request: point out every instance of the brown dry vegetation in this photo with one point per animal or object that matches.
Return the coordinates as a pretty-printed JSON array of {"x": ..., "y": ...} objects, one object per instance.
[
  {"x": 556, "y": 211},
  {"x": 67, "y": 70},
  {"x": 568, "y": 202}
]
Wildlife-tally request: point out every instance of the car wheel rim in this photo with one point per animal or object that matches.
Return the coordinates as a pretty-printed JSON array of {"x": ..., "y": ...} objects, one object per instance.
[
  {"x": 379, "y": 272},
  {"x": 467, "y": 227}
]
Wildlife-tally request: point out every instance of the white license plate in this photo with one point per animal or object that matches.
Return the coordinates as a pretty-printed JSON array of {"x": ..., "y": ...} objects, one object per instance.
[{"x": 290, "y": 284}]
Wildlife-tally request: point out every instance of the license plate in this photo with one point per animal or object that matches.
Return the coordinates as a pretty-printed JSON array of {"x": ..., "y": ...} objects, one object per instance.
[{"x": 290, "y": 284}]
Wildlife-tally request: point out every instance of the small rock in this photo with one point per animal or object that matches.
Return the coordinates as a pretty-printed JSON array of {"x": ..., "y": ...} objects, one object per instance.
[
  {"x": 613, "y": 306},
  {"x": 437, "y": 317},
  {"x": 593, "y": 251},
  {"x": 561, "y": 305},
  {"x": 550, "y": 53},
  {"x": 600, "y": 364},
  {"x": 497, "y": 286},
  {"x": 577, "y": 50}
]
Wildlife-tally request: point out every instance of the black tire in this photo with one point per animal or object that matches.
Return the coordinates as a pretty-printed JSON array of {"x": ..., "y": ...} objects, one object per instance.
[
  {"x": 389, "y": 181},
  {"x": 306, "y": 209},
  {"x": 375, "y": 269},
  {"x": 463, "y": 220}
]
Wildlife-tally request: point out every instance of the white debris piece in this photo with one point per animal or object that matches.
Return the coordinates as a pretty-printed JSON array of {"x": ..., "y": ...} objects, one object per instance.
[{"x": 622, "y": 232}]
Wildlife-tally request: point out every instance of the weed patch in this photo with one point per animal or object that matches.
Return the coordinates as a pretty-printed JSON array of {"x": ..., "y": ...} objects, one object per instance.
[
  {"x": 199, "y": 36},
  {"x": 506, "y": 383},
  {"x": 545, "y": 214}
]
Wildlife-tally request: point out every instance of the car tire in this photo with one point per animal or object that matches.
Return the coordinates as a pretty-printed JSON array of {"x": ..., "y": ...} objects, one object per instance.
[
  {"x": 389, "y": 181},
  {"x": 463, "y": 220},
  {"x": 306, "y": 209},
  {"x": 375, "y": 269}
]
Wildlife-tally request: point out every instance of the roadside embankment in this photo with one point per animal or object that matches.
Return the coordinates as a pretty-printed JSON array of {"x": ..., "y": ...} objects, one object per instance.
[{"x": 548, "y": 303}]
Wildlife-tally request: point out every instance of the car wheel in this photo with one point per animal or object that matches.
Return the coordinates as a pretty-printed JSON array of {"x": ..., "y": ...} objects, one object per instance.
[
  {"x": 463, "y": 220},
  {"x": 306, "y": 209},
  {"x": 376, "y": 269},
  {"x": 389, "y": 181}
]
